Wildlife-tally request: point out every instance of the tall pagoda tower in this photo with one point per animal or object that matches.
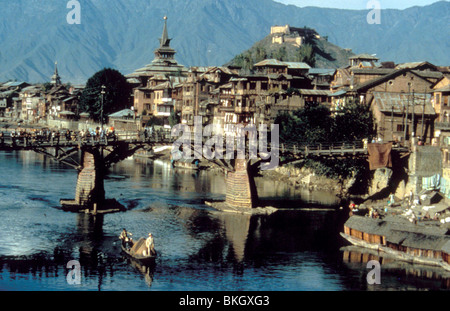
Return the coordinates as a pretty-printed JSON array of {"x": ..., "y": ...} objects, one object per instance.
[{"x": 56, "y": 79}]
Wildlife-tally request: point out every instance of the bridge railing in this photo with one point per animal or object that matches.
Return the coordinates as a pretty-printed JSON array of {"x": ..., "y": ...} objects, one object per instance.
[
  {"x": 322, "y": 148},
  {"x": 165, "y": 137},
  {"x": 75, "y": 138}
]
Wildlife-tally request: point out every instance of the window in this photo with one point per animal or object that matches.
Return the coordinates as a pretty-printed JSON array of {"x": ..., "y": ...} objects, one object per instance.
[
  {"x": 400, "y": 128},
  {"x": 438, "y": 98}
]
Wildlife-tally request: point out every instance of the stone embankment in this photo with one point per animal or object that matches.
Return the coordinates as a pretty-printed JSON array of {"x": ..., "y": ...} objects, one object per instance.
[{"x": 306, "y": 178}]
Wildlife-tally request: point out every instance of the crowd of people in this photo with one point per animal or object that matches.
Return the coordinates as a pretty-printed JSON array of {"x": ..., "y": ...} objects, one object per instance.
[{"x": 27, "y": 136}]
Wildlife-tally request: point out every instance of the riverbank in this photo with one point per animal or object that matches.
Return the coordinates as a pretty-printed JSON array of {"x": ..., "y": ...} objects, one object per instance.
[
  {"x": 298, "y": 178},
  {"x": 307, "y": 179}
]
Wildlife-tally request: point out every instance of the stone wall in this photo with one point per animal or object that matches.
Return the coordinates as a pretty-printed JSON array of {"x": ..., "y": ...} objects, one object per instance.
[{"x": 424, "y": 161}]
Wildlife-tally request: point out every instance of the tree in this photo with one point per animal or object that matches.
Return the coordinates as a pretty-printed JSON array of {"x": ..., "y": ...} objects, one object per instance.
[
  {"x": 116, "y": 96},
  {"x": 306, "y": 54},
  {"x": 353, "y": 122},
  {"x": 174, "y": 118},
  {"x": 47, "y": 86},
  {"x": 244, "y": 60},
  {"x": 310, "y": 125},
  {"x": 260, "y": 54},
  {"x": 280, "y": 54}
]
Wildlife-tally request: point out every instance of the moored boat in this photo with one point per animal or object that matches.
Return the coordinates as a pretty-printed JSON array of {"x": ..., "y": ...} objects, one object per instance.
[
  {"x": 190, "y": 164},
  {"x": 424, "y": 244}
]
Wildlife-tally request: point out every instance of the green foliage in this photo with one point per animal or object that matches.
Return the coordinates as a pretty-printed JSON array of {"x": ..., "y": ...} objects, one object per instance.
[
  {"x": 260, "y": 54},
  {"x": 116, "y": 97},
  {"x": 244, "y": 60},
  {"x": 314, "y": 124},
  {"x": 280, "y": 54},
  {"x": 306, "y": 54},
  {"x": 174, "y": 118},
  {"x": 309, "y": 125},
  {"x": 353, "y": 122},
  {"x": 47, "y": 86},
  {"x": 155, "y": 121}
]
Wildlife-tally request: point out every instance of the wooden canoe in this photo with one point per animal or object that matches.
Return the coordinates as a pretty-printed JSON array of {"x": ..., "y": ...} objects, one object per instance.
[{"x": 136, "y": 252}]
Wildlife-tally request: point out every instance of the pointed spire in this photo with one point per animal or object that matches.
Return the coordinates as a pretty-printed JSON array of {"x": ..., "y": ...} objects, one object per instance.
[
  {"x": 164, "y": 41},
  {"x": 56, "y": 79}
]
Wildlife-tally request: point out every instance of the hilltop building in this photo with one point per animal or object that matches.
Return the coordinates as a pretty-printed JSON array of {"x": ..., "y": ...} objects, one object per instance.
[{"x": 292, "y": 35}]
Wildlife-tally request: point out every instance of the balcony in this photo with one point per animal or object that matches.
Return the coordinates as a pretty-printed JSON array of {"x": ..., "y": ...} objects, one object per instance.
[
  {"x": 227, "y": 108},
  {"x": 442, "y": 126},
  {"x": 244, "y": 109}
]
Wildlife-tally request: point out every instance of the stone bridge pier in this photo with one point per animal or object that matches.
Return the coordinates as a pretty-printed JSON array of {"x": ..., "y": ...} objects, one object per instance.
[
  {"x": 90, "y": 190},
  {"x": 241, "y": 187},
  {"x": 241, "y": 194}
]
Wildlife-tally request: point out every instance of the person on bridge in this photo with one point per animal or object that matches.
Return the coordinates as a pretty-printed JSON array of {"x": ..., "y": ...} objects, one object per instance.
[
  {"x": 68, "y": 135},
  {"x": 145, "y": 134}
]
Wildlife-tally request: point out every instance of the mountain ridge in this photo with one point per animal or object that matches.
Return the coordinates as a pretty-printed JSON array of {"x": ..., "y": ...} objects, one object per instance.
[{"x": 123, "y": 35}]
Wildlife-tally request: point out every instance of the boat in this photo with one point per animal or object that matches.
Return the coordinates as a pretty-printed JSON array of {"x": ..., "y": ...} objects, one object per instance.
[
  {"x": 190, "y": 164},
  {"x": 145, "y": 154},
  {"x": 136, "y": 252},
  {"x": 422, "y": 244}
]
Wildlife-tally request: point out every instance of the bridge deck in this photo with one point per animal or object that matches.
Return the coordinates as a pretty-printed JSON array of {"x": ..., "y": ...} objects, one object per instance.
[{"x": 24, "y": 143}]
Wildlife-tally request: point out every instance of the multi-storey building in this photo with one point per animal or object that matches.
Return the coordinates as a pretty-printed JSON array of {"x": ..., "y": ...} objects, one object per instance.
[{"x": 163, "y": 68}]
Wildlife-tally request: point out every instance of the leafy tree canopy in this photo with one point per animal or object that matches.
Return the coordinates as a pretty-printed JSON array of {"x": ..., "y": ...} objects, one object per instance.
[
  {"x": 116, "y": 96},
  {"x": 309, "y": 125},
  {"x": 174, "y": 118},
  {"x": 314, "y": 124},
  {"x": 353, "y": 122}
]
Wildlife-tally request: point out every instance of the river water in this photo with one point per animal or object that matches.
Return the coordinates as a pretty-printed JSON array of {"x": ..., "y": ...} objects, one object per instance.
[{"x": 297, "y": 248}]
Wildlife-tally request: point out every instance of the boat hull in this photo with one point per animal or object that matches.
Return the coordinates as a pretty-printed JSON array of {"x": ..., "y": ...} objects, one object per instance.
[
  {"x": 142, "y": 259},
  {"x": 396, "y": 254}
]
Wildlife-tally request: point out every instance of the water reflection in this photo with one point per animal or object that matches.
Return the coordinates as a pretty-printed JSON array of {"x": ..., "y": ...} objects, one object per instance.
[
  {"x": 395, "y": 274},
  {"x": 147, "y": 270},
  {"x": 199, "y": 248}
]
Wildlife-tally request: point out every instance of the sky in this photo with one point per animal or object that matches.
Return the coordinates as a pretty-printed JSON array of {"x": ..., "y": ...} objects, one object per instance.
[{"x": 358, "y": 4}]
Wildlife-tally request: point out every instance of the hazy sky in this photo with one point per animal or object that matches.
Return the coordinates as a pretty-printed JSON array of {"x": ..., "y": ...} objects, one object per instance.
[{"x": 358, "y": 4}]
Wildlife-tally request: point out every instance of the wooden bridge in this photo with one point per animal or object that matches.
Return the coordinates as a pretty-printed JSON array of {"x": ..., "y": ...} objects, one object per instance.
[{"x": 97, "y": 154}]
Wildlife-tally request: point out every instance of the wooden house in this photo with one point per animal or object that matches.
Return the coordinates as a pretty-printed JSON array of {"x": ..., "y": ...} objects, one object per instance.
[{"x": 395, "y": 111}]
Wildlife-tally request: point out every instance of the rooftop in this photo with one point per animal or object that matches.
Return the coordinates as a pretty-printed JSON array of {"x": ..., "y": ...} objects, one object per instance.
[
  {"x": 396, "y": 102},
  {"x": 364, "y": 56}
]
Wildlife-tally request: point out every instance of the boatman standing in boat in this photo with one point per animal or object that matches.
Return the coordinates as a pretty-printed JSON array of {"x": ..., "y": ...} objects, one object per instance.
[{"x": 150, "y": 245}]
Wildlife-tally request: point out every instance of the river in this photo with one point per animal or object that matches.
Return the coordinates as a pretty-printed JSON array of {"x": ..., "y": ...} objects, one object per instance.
[{"x": 297, "y": 248}]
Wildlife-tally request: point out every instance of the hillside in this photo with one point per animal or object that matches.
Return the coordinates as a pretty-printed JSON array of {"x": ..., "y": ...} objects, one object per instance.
[
  {"x": 317, "y": 52},
  {"x": 123, "y": 34}
]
